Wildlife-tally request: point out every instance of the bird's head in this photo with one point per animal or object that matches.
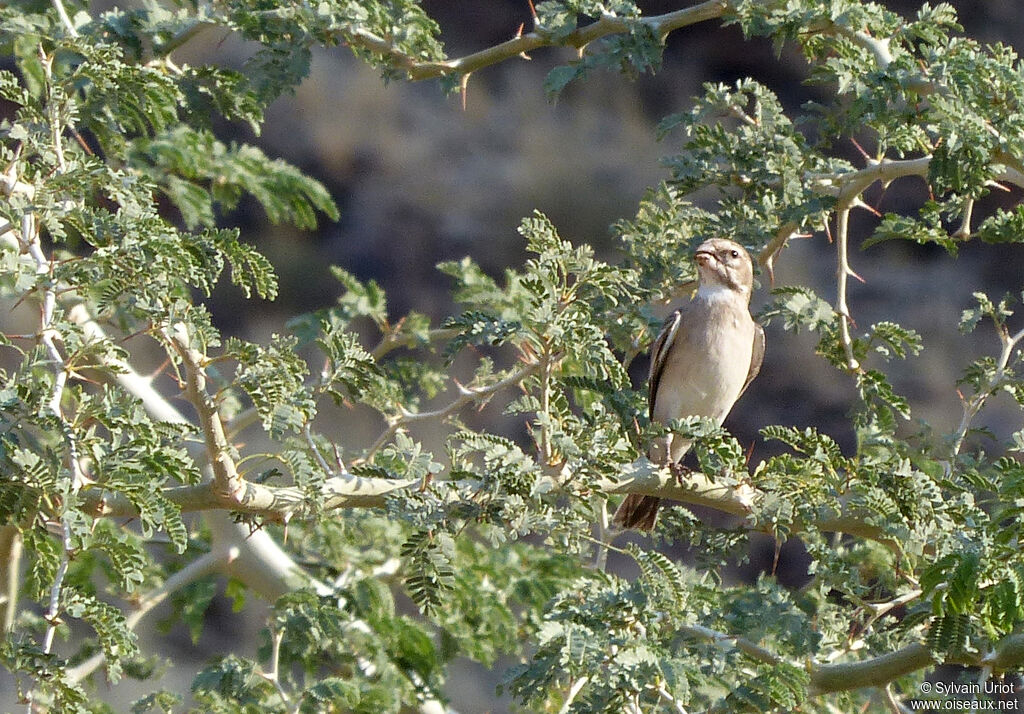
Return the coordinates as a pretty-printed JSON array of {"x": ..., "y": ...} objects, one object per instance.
[{"x": 724, "y": 263}]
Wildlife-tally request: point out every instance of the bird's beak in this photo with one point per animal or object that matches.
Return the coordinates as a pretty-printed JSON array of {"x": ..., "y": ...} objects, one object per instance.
[{"x": 703, "y": 257}]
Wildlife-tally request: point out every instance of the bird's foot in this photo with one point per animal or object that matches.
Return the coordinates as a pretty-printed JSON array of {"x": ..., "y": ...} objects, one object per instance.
[{"x": 680, "y": 472}]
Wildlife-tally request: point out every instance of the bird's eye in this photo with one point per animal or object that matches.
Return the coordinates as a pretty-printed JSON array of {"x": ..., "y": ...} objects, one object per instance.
[{"x": 734, "y": 253}]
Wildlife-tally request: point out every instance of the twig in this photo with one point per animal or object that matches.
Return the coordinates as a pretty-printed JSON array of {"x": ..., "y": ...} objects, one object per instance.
[
  {"x": 10, "y": 554},
  {"x": 751, "y": 649},
  {"x": 64, "y": 19},
  {"x": 771, "y": 251},
  {"x": 667, "y": 696},
  {"x": 984, "y": 673},
  {"x": 273, "y": 676},
  {"x": 30, "y": 244},
  {"x": 842, "y": 274},
  {"x": 321, "y": 462},
  {"x": 10, "y": 185},
  {"x": 227, "y": 481},
  {"x": 466, "y": 396},
  {"x": 974, "y": 404},
  {"x": 891, "y": 701},
  {"x": 660, "y": 25},
  {"x": 603, "y": 536},
  {"x": 880, "y": 609},
  {"x": 127, "y": 377},
  {"x": 182, "y": 37},
  {"x": 877, "y": 46},
  {"x": 242, "y": 421},
  {"x": 574, "y": 690},
  {"x": 964, "y": 231},
  {"x": 545, "y": 409},
  {"x": 393, "y": 340}
]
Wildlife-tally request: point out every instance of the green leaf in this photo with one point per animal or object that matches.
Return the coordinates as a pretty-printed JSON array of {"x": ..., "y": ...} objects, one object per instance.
[
  {"x": 116, "y": 640},
  {"x": 273, "y": 377},
  {"x": 799, "y": 308},
  {"x": 183, "y": 160},
  {"x": 360, "y": 299},
  {"x": 235, "y": 680}
]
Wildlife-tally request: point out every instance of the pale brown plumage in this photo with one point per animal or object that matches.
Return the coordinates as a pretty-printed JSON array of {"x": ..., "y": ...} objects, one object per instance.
[{"x": 706, "y": 355}]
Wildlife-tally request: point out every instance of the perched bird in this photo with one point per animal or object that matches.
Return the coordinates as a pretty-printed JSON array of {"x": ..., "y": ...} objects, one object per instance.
[{"x": 707, "y": 353}]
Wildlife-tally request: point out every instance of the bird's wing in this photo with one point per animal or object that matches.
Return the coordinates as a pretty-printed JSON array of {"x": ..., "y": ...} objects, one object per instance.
[
  {"x": 756, "y": 357},
  {"x": 659, "y": 355}
]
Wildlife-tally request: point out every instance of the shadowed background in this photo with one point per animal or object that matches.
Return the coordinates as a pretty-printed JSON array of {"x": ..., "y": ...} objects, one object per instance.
[{"x": 419, "y": 180}]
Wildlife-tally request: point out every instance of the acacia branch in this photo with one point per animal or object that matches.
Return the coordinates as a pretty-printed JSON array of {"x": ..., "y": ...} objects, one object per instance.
[
  {"x": 276, "y": 503},
  {"x": 843, "y": 273},
  {"x": 574, "y": 689},
  {"x": 10, "y": 574},
  {"x": 1007, "y": 655},
  {"x": 847, "y": 186},
  {"x": 694, "y": 488},
  {"x": 851, "y": 184},
  {"x": 393, "y": 340},
  {"x": 32, "y": 246},
  {"x": 877, "y": 46},
  {"x": 875, "y": 672},
  {"x": 973, "y": 405},
  {"x": 282, "y": 503},
  {"x": 416, "y": 69},
  {"x": 669, "y": 699},
  {"x": 64, "y": 19},
  {"x": 228, "y": 483},
  {"x": 747, "y": 647},
  {"x": 879, "y": 671}
]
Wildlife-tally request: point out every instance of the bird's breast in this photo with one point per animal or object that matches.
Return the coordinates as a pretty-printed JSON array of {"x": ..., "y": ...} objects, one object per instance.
[{"x": 705, "y": 370}]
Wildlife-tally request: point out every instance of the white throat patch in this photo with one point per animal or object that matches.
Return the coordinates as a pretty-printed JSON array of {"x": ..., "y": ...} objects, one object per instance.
[{"x": 714, "y": 293}]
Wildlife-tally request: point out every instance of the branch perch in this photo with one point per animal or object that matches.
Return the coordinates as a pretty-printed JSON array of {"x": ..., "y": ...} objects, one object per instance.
[
  {"x": 660, "y": 25},
  {"x": 228, "y": 483}
]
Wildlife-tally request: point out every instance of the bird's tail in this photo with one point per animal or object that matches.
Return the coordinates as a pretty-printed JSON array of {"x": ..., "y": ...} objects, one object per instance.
[{"x": 640, "y": 512}]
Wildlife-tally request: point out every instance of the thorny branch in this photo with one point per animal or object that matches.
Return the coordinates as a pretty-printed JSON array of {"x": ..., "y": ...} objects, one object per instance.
[
  {"x": 660, "y": 26},
  {"x": 973, "y": 404},
  {"x": 843, "y": 273},
  {"x": 227, "y": 481},
  {"x": 30, "y": 244}
]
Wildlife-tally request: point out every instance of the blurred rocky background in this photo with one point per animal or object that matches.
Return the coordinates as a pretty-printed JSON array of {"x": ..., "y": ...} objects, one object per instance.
[{"x": 419, "y": 180}]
